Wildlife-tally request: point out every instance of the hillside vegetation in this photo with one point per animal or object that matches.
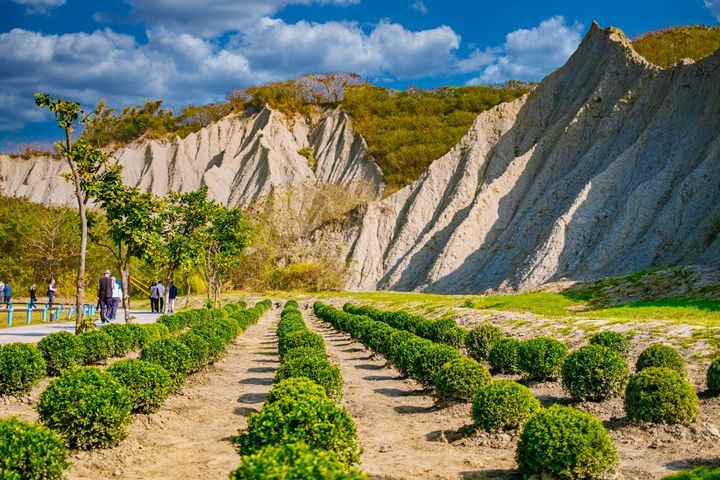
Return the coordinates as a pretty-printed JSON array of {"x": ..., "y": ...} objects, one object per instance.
[{"x": 666, "y": 47}]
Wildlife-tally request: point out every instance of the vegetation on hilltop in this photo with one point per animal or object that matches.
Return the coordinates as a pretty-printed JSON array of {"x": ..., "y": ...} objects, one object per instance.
[{"x": 668, "y": 46}]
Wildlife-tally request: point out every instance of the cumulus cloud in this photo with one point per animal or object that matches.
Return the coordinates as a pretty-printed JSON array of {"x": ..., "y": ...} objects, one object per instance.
[
  {"x": 39, "y": 6},
  {"x": 214, "y": 18},
  {"x": 714, "y": 6},
  {"x": 420, "y": 7},
  {"x": 389, "y": 49},
  {"x": 530, "y": 54}
]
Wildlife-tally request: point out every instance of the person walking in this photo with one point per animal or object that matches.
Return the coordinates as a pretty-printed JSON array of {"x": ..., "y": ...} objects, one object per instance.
[
  {"x": 2, "y": 292},
  {"x": 161, "y": 296},
  {"x": 7, "y": 290},
  {"x": 153, "y": 298},
  {"x": 104, "y": 294},
  {"x": 116, "y": 296},
  {"x": 51, "y": 293},
  {"x": 172, "y": 295},
  {"x": 33, "y": 297}
]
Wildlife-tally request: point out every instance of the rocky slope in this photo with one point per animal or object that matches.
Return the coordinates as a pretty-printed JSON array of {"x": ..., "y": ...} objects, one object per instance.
[
  {"x": 611, "y": 165},
  {"x": 241, "y": 158}
]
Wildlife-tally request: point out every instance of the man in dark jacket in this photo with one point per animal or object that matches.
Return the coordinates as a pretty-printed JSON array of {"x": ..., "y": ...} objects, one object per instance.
[
  {"x": 105, "y": 293},
  {"x": 8, "y": 295}
]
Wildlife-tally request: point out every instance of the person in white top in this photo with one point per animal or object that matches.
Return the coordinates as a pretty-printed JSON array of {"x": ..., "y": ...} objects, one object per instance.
[
  {"x": 161, "y": 296},
  {"x": 116, "y": 296}
]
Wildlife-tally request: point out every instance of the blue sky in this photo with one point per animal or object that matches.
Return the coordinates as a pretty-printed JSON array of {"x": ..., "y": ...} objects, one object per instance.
[{"x": 194, "y": 51}]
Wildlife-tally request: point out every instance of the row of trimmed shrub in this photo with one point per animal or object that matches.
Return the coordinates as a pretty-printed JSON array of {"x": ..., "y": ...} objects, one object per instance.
[
  {"x": 561, "y": 442},
  {"x": 438, "y": 365},
  {"x": 87, "y": 407},
  {"x": 300, "y": 432}
]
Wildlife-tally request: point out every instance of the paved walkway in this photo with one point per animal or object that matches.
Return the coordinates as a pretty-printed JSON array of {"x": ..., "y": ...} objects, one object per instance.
[{"x": 33, "y": 333}]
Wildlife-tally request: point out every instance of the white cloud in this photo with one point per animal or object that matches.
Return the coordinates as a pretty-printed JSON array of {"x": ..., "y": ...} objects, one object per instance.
[
  {"x": 39, "y": 6},
  {"x": 389, "y": 49},
  {"x": 209, "y": 19},
  {"x": 530, "y": 54},
  {"x": 420, "y": 7},
  {"x": 714, "y": 6}
]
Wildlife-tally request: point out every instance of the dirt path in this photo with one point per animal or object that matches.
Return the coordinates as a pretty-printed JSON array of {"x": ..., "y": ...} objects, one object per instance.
[
  {"x": 402, "y": 435},
  {"x": 188, "y": 437}
]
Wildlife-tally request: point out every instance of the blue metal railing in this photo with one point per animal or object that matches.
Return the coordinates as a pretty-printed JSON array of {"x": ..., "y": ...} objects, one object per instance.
[{"x": 54, "y": 313}]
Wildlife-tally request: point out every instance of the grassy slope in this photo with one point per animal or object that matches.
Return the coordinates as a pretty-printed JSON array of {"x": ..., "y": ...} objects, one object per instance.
[{"x": 666, "y": 47}]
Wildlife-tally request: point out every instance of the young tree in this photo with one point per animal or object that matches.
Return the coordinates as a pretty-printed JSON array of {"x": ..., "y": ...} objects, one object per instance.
[
  {"x": 183, "y": 219},
  {"x": 225, "y": 238},
  {"x": 132, "y": 223},
  {"x": 88, "y": 166}
]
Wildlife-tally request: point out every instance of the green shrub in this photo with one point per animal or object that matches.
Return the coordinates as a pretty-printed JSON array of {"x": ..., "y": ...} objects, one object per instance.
[
  {"x": 153, "y": 332},
  {"x": 428, "y": 365},
  {"x": 504, "y": 356},
  {"x": 447, "y": 332},
  {"x": 660, "y": 395},
  {"x": 595, "y": 373},
  {"x": 21, "y": 367},
  {"x": 61, "y": 351},
  {"x": 199, "y": 350},
  {"x": 461, "y": 379},
  {"x": 612, "y": 340},
  {"x": 296, "y": 388},
  {"x": 542, "y": 358},
  {"x": 294, "y": 461},
  {"x": 31, "y": 451},
  {"x": 302, "y": 338},
  {"x": 566, "y": 443},
  {"x": 659, "y": 355},
  {"x": 316, "y": 369},
  {"x": 481, "y": 339},
  {"x": 173, "y": 356},
  {"x": 320, "y": 424},
  {"x": 123, "y": 339},
  {"x": 97, "y": 346},
  {"x": 148, "y": 384},
  {"x": 214, "y": 339},
  {"x": 700, "y": 473},
  {"x": 87, "y": 407},
  {"x": 503, "y": 405},
  {"x": 392, "y": 343},
  {"x": 137, "y": 333},
  {"x": 713, "y": 377},
  {"x": 404, "y": 356},
  {"x": 228, "y": 329},
  {"x": 174, "y": 323},
  {"x": 304, "y": 352},
  {"x": 8, "y": 475}
]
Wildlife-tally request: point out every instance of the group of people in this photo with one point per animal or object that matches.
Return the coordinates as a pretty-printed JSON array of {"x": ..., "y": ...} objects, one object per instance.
[
  {"x": 157, "y": 297},
  {"x": 6, "y": 294},
  {"x": 109, "y": 294}
]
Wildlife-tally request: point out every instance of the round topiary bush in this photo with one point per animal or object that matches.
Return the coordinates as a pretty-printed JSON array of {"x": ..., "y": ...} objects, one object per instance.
[
  {"x": 713, "y": 377},
  {"x": 153, "y": 332},
  {"x": 173, "y": 356},
  {"x": 123, "y": 339},
  {"x": 199, "y": 350},
  {"x": 61, "y": 351},
  {"x": 31, "y": 451},
  {"x": 563, "y": 442},
  {"x": 504, "y": 356},
  {"x": 214, "y": 339},
  {"x": 481, "y": 339},
  {"x": 296, "y": 388},
  {"x": 660, "y": 395},
  {"x": 461, "y": 379},
  {"x": 97, "y": 346},
  {"x": 542, "y": 358},
  {"x": 391, "y": 343},
  {"x": 316, "y": 369},
  {"x": 659, "y": 355},
  {"x": 298, "y": 339},
  {"x": 404, "y": 355},
  {"x": 304, "y": 352},
  {"x": 228, "y": 329},
  {"x": 446, "y": 331},
  {"x": 87, "y": 407},
  {"x": 320, "y": 424},
  {"x": 21, "y": 367},
  {"x": 428, "y": 365},
  {"x": 503, "y": 405},
  {"x": 148, "y": 384},
  {"x": 294, "y": 461},
  {"x": 595, "y": 373},
  {"x": 616, "y": 341}
]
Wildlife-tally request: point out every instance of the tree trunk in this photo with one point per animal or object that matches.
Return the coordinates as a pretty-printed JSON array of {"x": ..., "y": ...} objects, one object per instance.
[
  {"x": 187, "y": 291},
  {"x": 125, "y": 280},
  {"x": 80, "y": 294},
  {"x": 166, "y": 295}
]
